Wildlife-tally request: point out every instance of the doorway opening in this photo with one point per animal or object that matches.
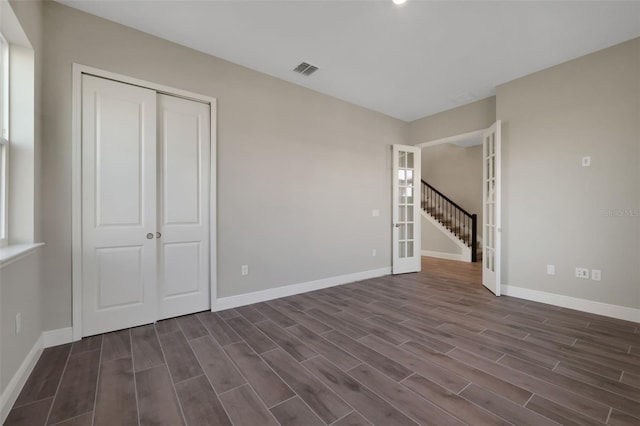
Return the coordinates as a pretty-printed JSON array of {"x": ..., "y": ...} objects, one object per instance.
[{"x": 468, "y": 167}]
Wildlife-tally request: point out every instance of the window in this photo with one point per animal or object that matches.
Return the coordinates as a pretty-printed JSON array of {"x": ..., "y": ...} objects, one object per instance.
[
  {"x": 17, "y": 134},
  {"x": 4, "y": 138}
]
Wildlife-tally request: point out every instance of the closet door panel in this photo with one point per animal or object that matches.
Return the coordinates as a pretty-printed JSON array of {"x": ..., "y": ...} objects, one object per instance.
[
  {"x": 184, "y": 155},
  {"x": 181, "y": 183},
  {"x": 181, "y": 268},
  {"x": 118, "y": 205}
]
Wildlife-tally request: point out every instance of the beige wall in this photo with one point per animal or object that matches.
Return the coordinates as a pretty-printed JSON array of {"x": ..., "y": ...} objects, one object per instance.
[
  {"x": 467, "y": 118},
  {"x": 29, "y": 14},
  {"x": 20, "y": 291},
  {"x": 21, "y": 285},
  {"x": 433, "y": 239},
  {"x": 557, "y": 212},
  {"x": 456, "y": 172},
  {"x": 298, "y": 172}
]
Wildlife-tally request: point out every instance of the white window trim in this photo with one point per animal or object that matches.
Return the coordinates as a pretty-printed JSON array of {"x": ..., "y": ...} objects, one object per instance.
[
  {"x": 15, "y": 252},
  {"x": 4, "y": 142},
  {"x": 4, "y": 192},
  {"x": 22, "y": 122}
]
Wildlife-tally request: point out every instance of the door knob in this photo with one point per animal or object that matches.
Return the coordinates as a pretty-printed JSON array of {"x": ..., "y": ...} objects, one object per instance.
[
  {"x": 149, "y": 236},
  {"x": 158, "y": 235}
]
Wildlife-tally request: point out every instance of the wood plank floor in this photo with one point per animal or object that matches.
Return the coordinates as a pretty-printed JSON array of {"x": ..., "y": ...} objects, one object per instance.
[{"x": 428, "y": 348}]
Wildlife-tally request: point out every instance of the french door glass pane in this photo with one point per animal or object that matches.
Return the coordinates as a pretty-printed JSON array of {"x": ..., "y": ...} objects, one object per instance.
[{"x": 402, "y": 179}]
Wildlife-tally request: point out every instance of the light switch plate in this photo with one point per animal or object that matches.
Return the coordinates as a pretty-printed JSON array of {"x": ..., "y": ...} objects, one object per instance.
[{"x": 18, "y": 323}]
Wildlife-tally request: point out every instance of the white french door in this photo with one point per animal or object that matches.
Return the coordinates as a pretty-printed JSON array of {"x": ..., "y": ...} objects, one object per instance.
[
  {"x": 491, "y": 208},
  {"x": 145, "y": 206},
  {"x": 406, "y": 209},
  {"x": 183, "y": 166}
]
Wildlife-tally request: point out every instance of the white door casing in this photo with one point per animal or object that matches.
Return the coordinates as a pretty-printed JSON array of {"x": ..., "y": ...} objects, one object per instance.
[
  {"x": 145, "y": 203},
  {"x": 118, "y": 205},
  {"x": 183, "y": 214},
  {"x": 79, "y": 328},
  {"x": 406, "y": 216},
  {"x": 491, "y": 207}
]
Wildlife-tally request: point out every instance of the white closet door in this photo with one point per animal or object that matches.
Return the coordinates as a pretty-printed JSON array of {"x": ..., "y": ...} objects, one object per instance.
[
  {"x": 118, "y": 206},
  {"x": 183, "y": 214}
]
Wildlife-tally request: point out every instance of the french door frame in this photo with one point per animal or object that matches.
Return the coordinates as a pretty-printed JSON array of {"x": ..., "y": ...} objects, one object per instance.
[
  {"x": 492, "y": 208},
  {"x": 401, "y": 240},
  {"x": 480, "y": 135},
  {"x": 76, "y": 180}
]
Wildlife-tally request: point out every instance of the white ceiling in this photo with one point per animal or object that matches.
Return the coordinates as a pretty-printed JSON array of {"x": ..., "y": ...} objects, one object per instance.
[{"x": 405, "y": 61}]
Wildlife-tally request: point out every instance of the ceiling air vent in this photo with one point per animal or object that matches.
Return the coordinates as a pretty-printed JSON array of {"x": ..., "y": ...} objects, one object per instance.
[{"x": 305, "y": 69}]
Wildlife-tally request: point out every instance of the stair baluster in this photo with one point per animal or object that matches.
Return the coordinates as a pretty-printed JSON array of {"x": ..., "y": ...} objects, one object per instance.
[{"x": 462, "y": 223}]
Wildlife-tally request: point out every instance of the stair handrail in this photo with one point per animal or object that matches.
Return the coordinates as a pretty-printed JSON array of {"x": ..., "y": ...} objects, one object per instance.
[
  {"x": 446, "y": 198},
  {"x": 472, "y": 240}
]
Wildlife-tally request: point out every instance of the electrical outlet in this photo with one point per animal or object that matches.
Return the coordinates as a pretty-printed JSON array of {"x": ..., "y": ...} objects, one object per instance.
[
  {"x": 18, "y": 323},
  {"x": 582, "y": 273},
  {"x": 596, "y": 274},
  {"x": 551, "y": 269},
  {"x": 374, "y": 252},
  {"x": 245, "y": 269},
  {"x": 375, "y": 213}
]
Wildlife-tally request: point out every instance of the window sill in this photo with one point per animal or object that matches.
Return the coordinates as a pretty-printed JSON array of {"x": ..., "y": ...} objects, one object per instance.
[{"x": 12, "y": 253}]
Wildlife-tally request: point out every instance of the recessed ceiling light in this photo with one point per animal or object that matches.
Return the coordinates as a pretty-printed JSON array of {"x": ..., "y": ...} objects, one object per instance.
[{"x": 399, "y": 1}]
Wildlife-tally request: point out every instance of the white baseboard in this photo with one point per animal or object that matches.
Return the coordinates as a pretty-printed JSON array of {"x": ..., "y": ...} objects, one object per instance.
[
  {"x": 289, "y": 290},
  {"x": 13, "y": 389},
  {"x": 17, "y": 382},
  {"x": 443, "y": 255},
  {"x": 57, "y": 337},
  {"x": 599, "y": 308}
]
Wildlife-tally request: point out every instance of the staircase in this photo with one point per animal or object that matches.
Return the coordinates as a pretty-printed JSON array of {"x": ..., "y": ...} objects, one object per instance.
[{"x": 457, "y": 220}]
